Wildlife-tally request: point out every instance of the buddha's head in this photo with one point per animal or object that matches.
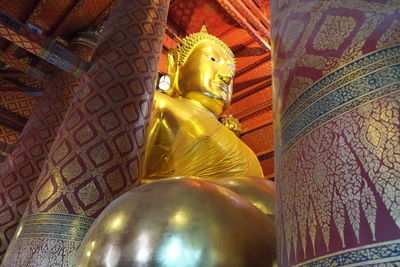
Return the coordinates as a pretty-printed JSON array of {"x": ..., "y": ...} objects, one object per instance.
[{"x": 202, "y": 68}]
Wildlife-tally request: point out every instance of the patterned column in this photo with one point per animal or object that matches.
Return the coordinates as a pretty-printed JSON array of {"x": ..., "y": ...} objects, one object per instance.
[
  {"x": 21, "y": 169},
  {"x": 337, "y": 129},
  {"x": 99, "y": 148}
]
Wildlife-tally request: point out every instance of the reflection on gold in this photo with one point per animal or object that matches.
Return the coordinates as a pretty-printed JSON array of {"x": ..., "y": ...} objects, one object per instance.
[
  {"x": 18, "y": 232},
  {"x": 258, "y": 191},
  {"x": 220, "y": 228},
  {"x": 116, "y": 222},
  {"x": 180, "y": 218}
]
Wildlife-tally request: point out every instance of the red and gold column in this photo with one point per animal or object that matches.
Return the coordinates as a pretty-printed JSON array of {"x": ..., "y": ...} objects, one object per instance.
[
  {"x": 20, "y": 171},
  {"x": 99, "y": 148},
  {"x": 336, "y": 87}
]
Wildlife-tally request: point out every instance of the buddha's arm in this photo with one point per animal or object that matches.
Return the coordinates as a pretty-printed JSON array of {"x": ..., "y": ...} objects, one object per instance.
[{"x": 152, "y": 136}]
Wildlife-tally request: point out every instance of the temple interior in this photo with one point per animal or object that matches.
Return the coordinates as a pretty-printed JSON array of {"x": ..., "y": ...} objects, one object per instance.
[
  {"x": 199, "y": 133},
  {"x": 252, "y": 98}
]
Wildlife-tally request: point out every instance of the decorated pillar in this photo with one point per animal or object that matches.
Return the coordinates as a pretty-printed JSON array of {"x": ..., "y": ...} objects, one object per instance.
[
  {"x": 20, "y": 171},
  {"x": 99, "y": 148},
  {"x": 336, "y": 94}
]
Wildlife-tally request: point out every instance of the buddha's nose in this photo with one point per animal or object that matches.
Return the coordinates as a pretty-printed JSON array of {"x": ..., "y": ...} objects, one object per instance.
[{"x": 226, "y": 78}]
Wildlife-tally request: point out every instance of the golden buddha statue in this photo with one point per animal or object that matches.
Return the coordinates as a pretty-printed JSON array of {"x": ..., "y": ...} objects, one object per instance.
[
  {"x": 185, "y": 137},
  {"x": 186, "y": 221}
]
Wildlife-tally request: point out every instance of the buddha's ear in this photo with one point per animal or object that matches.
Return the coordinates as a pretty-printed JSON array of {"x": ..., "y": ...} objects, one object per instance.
[
  {"x": 172, "y": 68},
  {"x": 172, "y": 64}
]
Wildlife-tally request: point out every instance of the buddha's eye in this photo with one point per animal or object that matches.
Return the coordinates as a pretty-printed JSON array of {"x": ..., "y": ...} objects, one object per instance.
[{"x": 212, "y": 59}]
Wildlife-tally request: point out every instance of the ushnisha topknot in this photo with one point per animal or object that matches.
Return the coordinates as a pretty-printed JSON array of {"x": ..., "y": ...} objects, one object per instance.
[{"x": 186, "y": 44}]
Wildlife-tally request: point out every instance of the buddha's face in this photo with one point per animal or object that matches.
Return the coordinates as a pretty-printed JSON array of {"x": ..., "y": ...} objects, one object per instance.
[{"x": 206, "y": 76}]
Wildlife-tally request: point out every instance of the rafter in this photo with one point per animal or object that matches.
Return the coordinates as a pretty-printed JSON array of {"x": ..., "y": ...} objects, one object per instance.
[
  {"x": 250, "y": 17},
  {"x": 256, "y": 11},
  {"x": 243, "y": 22},
  {"x": 12, "y": 120},
  {"x": 22, "y": 66},
  {"x": 48, "y": 49},
  {"x": 13, "y": 85}
]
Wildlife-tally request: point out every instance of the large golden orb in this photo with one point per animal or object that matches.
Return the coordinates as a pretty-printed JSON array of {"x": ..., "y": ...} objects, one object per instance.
[
  {"x": 259, "y": 191},
  {"x": 180, "y": 222}
]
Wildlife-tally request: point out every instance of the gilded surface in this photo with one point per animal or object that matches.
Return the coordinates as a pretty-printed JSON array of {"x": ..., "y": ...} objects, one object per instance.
[
  {"x": 180, "y": 222},
  {"x": 185, "y": 137},
  {"x": 210, "y": 150},
  {"x": 232, "y": 123}
]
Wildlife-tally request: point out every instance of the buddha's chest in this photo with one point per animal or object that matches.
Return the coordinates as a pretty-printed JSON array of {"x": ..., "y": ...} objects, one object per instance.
[{"x": 200, "y": 148}]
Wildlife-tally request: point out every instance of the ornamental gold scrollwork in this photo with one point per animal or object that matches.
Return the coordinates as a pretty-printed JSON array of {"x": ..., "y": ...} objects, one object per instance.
[{"x": 344, "y": 161}]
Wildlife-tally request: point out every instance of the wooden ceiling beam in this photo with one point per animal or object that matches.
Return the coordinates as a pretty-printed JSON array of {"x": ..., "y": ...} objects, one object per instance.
[
  {"x": 22, "y": 66},
  {"x": 256, "y": 11},
  {"x": 13, "y": 85},
  {"x": 242, "y": 21},
  {"x": 12, "y": 120},
  {"x": 47, "y": 15},
  {"x": 18, "y": 9},
  {"x": 48, "y": 49},
  {"x": 12, "y": 74},
  {"x": 251, "y": 17},
  {"x": 83, "y": 14}
]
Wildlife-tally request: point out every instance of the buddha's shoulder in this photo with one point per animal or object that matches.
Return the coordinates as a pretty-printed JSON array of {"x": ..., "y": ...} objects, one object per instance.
[
  {"x": 163, "y": 101},
  {"x": 177, "y": 108}
]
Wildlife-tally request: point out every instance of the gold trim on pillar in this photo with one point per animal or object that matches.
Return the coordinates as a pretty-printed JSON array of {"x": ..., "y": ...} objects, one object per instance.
[
  {"x": 385, "y": 252},
  {"x": 47, "y": 240},
  {"x": 358, "y": 82}
]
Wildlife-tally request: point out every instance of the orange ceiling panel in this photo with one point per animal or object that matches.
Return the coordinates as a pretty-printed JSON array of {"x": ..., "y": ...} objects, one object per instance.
[
  {"x": 236, "y": 38},
  {"x": 252, "y": 77},
  {"x": 8, "y": 135},
  {"x": 18, "y": 9},
  {"x": 260, "y": 139},
  {"x": 48, "y": 13},
  {"x": 81, "y": 16},
  {"x": 18, "y": 103},
  {"x": 190, "y": 15},
  {"x": 262, "y": 96},
  {"x": 267, "y": 165}
]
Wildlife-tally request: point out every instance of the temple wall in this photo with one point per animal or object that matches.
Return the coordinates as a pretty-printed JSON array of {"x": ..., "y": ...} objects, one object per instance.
[{"x": 336, "y": 96}]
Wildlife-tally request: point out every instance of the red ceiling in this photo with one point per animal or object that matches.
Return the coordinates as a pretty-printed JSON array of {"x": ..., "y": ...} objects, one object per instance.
[{"x": 190, "y": 15}]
